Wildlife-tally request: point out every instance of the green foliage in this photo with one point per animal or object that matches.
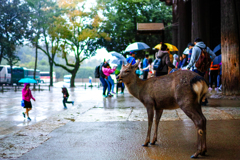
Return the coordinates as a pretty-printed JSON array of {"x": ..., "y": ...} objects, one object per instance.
[
  {"x": 121, "y": 21},
  {"x": 14, "y": 28}
]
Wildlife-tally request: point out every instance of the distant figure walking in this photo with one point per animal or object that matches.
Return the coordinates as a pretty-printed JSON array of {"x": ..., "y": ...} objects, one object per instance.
[
  {"x": 65, "y": 97},
  {"x": 27, "y": 96}
]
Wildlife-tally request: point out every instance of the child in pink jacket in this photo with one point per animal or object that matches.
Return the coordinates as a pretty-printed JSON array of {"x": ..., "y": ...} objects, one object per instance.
[
  {"x": 107, "y": 71},
  {"x": 27, "y": 96}
]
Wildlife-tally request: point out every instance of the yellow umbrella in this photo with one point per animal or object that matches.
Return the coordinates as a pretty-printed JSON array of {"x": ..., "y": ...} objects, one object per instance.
[{"x": 171, "y": 47}]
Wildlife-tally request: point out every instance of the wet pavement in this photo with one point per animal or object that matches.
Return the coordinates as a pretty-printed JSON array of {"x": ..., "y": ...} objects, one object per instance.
[{"x": 109, "y": 128}]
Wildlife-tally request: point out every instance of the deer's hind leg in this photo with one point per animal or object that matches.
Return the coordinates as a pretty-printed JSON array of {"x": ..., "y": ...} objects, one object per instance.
[
  {"x": 150, "y": 113},
  {"x": 195, "y": 114},
  {"x": 158, "y": 114}
]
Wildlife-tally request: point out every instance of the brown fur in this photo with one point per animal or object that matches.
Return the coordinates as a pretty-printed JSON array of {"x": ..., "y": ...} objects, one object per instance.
[{"x": 169, "y": 92}]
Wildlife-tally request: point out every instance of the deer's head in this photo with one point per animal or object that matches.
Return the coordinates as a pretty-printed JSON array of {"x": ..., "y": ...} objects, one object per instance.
[{"x": 127, "y": 72}]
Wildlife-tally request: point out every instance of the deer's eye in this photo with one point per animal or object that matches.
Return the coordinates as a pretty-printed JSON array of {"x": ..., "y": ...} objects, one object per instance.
[{"x": 127, "y": 71}]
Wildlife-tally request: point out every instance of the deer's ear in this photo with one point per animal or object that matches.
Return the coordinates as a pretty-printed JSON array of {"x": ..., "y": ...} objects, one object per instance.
[
  {"x": 136, "y": 65},
  {"x": 130, "y": 65}
]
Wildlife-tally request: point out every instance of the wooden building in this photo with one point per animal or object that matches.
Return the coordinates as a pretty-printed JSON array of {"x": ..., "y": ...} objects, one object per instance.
[{"x": 215, "y": 21}]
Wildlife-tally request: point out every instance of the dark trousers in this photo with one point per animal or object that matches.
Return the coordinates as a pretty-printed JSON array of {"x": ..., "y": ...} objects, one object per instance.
[
  {"x": 145, "y": 74},
  {"x": 106, "y": 85},
  {"x": 65, "y": 101},
  {"x": 121, "y": 85},
  {"x": 213, "y": 75}
]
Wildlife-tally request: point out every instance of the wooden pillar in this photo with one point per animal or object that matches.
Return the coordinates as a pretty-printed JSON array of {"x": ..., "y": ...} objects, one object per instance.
[
  {"x": 184, "y": 27},
  {"x": 230, "y": 43},
  {"x": 200, "y": 20},
  {"x": 175, "y": 24}
]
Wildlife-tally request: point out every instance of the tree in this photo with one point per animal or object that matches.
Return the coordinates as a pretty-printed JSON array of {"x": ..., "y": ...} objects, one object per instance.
[
  {"x": 122, "y": 17},
  {"x": 40, "y": 11},
  {"x": 79, "y": 31},
  {"x": 46, "y": 13},
  {"x": 14, "y": 27}
]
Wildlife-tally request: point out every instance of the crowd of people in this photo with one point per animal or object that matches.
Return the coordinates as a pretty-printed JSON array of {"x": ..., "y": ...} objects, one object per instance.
[{"x": 163, "y": 65}]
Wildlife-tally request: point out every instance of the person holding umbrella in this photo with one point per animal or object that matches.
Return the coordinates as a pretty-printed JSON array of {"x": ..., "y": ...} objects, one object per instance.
[{"x": 27, "y": 96}]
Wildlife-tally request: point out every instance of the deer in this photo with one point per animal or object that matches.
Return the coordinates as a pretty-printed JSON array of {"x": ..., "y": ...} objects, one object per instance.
[{"x": 181, "y": 89}]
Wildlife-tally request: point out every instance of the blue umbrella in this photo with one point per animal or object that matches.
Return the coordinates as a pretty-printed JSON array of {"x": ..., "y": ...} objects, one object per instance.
[
  {"x": 137, "y": 46},
  {"x": 120, "y": 58},
  {"x": 217, "y": 48},
  {"x": 27, "y": 80},
  {"x": 217, "y": 59}
]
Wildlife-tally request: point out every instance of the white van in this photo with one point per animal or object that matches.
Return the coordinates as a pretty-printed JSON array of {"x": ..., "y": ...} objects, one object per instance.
[
  {"x": 5, "y": 74},
  {"x": 67, "y": 78}
]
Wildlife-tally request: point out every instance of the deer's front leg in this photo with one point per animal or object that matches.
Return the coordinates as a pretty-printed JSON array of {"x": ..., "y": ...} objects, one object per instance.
[
  {"x": 150, "y": 121},
  {"x": 158, "y": 114}
]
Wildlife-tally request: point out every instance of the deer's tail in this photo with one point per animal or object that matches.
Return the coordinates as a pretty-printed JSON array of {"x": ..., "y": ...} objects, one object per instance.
[{"x": 200, "y": 87}]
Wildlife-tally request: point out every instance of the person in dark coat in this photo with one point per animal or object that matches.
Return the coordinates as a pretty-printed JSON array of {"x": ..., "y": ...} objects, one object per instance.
[
  {"x": 65, "y": 97},
  {"x": 163, "y": 54}
]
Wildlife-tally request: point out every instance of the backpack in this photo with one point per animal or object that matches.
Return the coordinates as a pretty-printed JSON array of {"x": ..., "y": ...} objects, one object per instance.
[
  {"x": 157, "y": 64},
  {"x": 204, "y": 61},
  {"x": 97, "y": 72}
]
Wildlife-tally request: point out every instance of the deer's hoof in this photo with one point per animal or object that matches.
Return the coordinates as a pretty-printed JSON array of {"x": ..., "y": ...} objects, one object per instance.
[
  {"x": 145, "y": 145},
  {"x": 203, "y": 153},
  {"x": 153, "y": 143},
  {"x": 194, "y": 156}
]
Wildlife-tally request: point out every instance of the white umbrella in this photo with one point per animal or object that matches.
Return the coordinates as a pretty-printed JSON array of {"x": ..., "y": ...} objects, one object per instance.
[
  {"x": 119, "y": 58},
  {"x": 137, "y": 46}
]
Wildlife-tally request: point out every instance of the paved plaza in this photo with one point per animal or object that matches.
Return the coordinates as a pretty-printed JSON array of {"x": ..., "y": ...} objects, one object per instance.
[{"x": 109, "y": 128}]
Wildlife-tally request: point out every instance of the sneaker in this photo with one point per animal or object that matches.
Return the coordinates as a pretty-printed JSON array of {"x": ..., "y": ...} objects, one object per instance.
[
  {"x": 113, "y": 92},
  {"x": 121, "y": 92},
  {"x": 23, "y": 114},
  {"x": 109, "y": 95},
  {"x": 210, "y": 88},
  {"x": 216, "y": 89},
  {"x": 104, "y": 96},
  {"x": 29, "y": 118},
  {"x": 219, "y": 89},
  {"x": 72, "y": 102}
]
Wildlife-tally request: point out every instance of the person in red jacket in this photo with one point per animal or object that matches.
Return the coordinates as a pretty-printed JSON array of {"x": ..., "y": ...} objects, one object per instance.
[
  {"x": 27, "y": 96},
  {"x": 214, "y": 69}
]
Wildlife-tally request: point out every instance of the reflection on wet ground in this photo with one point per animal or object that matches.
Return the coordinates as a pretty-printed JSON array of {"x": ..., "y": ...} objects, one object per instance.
[
  {"x": 48, "y": 114},
  {"x": 118, "y": 108}
]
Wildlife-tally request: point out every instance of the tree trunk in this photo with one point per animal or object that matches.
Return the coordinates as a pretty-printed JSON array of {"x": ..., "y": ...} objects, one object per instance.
[
  {"x": 35, "y": 67},
  {"x": 230, "y": 42},
  {"x": 11, "y": 65},
  {"x": 51, "y": 71},
  {"x": 73, "y": 79},
  {"x": 184, "y": 27},
  {"x": 74, "y": 72}
]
